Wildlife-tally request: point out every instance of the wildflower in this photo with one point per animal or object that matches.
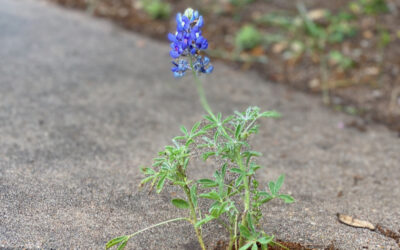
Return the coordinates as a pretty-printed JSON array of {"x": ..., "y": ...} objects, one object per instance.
[{"x": 187, "y": 43}]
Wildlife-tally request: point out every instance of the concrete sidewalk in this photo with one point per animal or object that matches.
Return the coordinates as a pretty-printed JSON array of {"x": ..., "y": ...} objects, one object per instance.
[{"x": 84, "y": 104}]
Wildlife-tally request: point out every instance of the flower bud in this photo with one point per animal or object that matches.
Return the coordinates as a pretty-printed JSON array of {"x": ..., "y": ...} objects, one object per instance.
[{"x": 188, "y": 13}]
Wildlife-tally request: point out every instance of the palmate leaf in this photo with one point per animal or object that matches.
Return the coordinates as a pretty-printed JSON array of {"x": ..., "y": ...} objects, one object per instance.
[{"x": 122, "y": 239}]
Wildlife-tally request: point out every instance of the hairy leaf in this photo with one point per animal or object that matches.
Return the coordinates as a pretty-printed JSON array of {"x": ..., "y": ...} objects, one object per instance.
[
  {"x": 179, "y": 203},
  {"x": 286, "y": 198},
  {"x": 203, "y": 221},
  {"x": 116, "y": 241}
]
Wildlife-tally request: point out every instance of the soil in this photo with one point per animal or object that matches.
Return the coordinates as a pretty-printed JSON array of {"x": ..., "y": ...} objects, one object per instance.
[
  {"x": 222, "y": 245},
  {"x": 371, "y": 89}
]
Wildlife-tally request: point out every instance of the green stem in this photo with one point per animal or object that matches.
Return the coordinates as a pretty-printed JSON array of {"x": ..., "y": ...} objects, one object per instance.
[
  {"x": 158, "y": 224},
  {"x": 246, "y": 194},
  {"x": 232, "y": 239},
  {"x": 235, "y": 231},
  {"x": 194, "y": 218},
  {"x": 204, "y": 102},
  {"x": 202, "y": 95}
]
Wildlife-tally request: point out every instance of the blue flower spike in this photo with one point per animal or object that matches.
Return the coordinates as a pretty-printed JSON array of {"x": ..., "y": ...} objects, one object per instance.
[{"x": 187, "y": 43}]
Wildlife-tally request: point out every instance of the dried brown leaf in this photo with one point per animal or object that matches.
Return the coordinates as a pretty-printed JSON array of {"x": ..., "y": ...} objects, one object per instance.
[{"x": 350, "y": 221}]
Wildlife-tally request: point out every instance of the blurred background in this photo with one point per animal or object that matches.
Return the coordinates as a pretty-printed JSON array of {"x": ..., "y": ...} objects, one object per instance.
[{"x": 348, "y": 52}]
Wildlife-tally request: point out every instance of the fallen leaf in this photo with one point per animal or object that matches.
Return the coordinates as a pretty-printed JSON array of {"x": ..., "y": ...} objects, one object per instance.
[{"x": 350, "y": 221}]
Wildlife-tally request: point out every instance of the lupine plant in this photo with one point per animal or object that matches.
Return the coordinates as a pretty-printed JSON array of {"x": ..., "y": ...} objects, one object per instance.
[{"x": 234, "y": 194}]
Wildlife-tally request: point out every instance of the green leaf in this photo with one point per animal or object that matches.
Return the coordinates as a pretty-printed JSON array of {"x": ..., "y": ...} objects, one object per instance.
[
  {"x": 244, "y": 232},
  {"x": 251, "y": 153},
  {"x": 207, "y": 155},
  {"x": 179, "y": 203},
  {"x": 245, "y": 247},
  {"x": 265, "y": 240},
  {"x": 122, "y": 246},
  {"x": 147, "y": 179},
  {"x": 184, "y": 130},
  {"x": 254, "y": 247},
  {"x": 203, "y": 221},
  {"x": 224, "y": 207},
  {"x": 254, "y": 167},
  {"x": 177, "y": 138},
  {"x": 271, "y": 186},
  {"x": 278, "y": 183},
  {"x": 195, "y": 127},
  {"x": 238, "y": 114},
  {"x": 229, "y": 118},
  {"x": 286, "y": 198},
  {"x": 198, "y": 133},
  {"x": 211, "y": 195},
  {"x": 214, "y": 211},
  {"x": 270, "y": 114},
  {"x": 238, "y": 131},
  {"x": 238, "y": 171},
  {"x": 179, "y": 183},
  {"x": 207, "y": 183},
  {"x": 263, "y": 193},
  {"x": 160, "y": 183},
  {"x": 223, "y": 171},
  {"x": 239, "y": 180},
  {"x": 265, "y": 200},
  {"x": 149, "y": 171},
  {"x": 250, "y": 222},
  {"x": 216, "y": 137},
  {"x": 209, "y": 118},
  {"x": 116, "y": 241},
  {"x": 219, "y": 117},
  {"x": 208, "y": 127}
]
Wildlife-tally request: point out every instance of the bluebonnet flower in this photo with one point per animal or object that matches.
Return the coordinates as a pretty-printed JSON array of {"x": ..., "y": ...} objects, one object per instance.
[{"x": 187, "y": 43}]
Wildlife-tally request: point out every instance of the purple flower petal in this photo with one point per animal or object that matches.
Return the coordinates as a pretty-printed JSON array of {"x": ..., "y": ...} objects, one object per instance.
[
  {"x": 200, "y": 22},
  {"x": 174, "y": 54},
  {"x": 209, "y": 69},
  {"x": 171, "y": 37}
]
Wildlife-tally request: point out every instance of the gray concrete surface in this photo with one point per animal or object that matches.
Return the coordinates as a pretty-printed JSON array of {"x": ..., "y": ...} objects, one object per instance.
[{"x": 84, "y": 104}]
